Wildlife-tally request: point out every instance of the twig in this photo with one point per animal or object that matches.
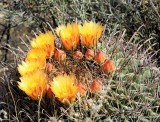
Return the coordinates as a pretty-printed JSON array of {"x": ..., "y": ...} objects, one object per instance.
[
  {"x": 15, "y": 107},
  {"x": 154, "y": 8}
]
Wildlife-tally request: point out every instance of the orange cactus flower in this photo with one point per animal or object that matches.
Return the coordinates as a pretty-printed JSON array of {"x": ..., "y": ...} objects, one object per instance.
[
  {"x": 34, "y": 85},
  {"x": 90, "y": 33},
  {"x": 100, "y": 57},
  {"x": 59, "y": 55},
  {"x": 44, "y": 41},
  {"x": 81, "y": 89},
  {"x": 89, "y": 55},
  {"x": 64, "y": 89},
  {"x": 30, "y": 67},
  {"x": 109, "y": 67},
  {"x": 96, "y": 86},
  {"x": 78, "y": 55},
  {"x": 36, "y": 54},
  {"x": 69, "y": 35}
]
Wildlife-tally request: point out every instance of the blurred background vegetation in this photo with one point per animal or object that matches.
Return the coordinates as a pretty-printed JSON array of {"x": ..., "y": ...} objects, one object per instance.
[{"x": 19, "y": 18}]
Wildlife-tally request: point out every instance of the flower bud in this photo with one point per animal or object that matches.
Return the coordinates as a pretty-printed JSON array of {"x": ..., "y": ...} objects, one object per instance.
[
  {"x": 81, "y": 89},
  {"x": 59, "y": 55},
  {"x": 89, "y": 54},
  {"x": 96, "y": 86},
  {"x": 78, "y": 55},
  {"x": 109, "y": 67},
  {"x": 100, "y": 57},
  {"x": 49, "y": 67}
]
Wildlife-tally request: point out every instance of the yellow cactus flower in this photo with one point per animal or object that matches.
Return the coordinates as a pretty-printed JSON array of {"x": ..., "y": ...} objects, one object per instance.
[
  {"x": 36, "y": 54},
  {"x": 30, "y": 67},
  {"x": 64, "y": 89},
  {"x": 90, "y": 33},
  {"x": 34, "y": 85},
  {"x": 69, "y": 35},
  {"x": 44, "y": 41}
]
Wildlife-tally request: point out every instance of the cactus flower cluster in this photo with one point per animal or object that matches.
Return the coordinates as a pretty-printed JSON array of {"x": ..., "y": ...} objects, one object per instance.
[{"x": 51, "y": 71}]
